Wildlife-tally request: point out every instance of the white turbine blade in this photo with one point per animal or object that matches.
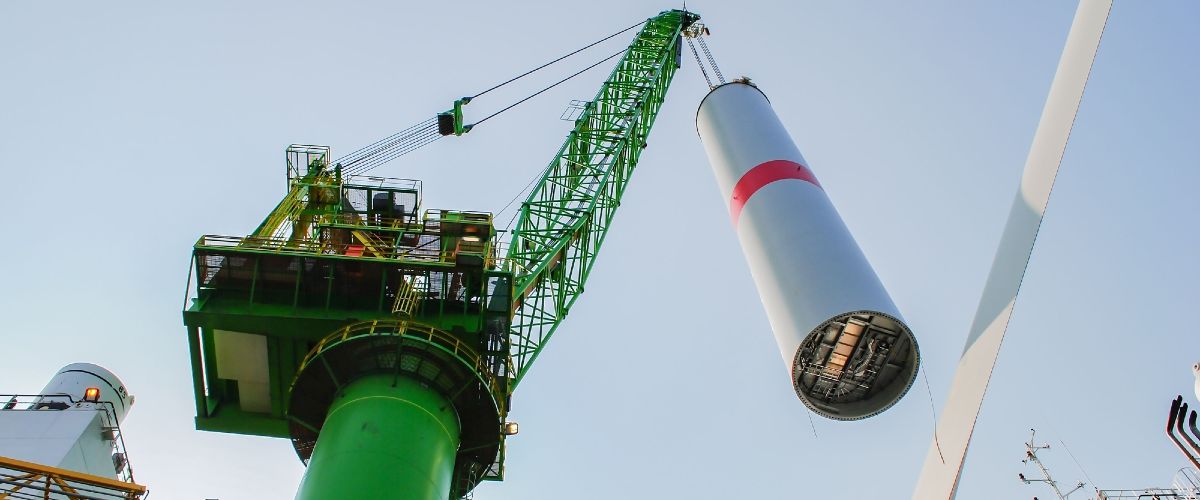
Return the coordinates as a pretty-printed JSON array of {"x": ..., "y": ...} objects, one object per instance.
[{"x": 939, "y": 479}]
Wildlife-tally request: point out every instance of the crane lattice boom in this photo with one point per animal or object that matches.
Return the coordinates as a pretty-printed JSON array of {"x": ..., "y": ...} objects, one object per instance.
[{"x": 563, "y": 222}]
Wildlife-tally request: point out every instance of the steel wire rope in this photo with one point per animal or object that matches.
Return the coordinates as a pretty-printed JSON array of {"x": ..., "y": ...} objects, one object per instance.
[
  {"x": 532, "y": 181},
  {"x": 555, "y": 84},
  {"x": 711, "y": 60},
  {"x": 359, "y": 153},
  {"x": 700, "y": 63},
  {"x": 396, "y": 149},
  {"x": 1077, "y": 464},
  {"x": 363, "y": 150},
  {"x": 576, "y": 51},
  {"x": 522, "y": 193},
  {"x": 424, "y": 133},
  {"x": 370, "y": 156},
  {"x": 390, "y": 155},
  {"x": 394, "y": 142}
]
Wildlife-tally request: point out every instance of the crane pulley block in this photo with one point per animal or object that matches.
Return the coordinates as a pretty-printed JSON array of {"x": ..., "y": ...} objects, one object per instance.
[{"x": 450, "y": 122}]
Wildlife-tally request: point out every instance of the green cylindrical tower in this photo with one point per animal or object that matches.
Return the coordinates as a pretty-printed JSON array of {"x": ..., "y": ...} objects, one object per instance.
[
  {"x": 384, "y": 426},
  {"x": 384, "y": 410}
]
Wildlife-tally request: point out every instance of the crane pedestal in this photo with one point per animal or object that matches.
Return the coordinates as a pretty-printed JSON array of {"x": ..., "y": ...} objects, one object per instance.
[
  {"x": 352, "y": 320},
  {"x": 384, "y": 430},
  {"x": 394, "y": 409}
]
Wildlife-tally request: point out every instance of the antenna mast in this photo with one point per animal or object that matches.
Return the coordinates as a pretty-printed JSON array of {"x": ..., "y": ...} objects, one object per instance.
[{"x": 1031, "y": 451}]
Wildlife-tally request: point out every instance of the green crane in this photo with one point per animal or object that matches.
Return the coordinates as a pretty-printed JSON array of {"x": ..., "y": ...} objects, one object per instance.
[{"x": 386, "y": 342}]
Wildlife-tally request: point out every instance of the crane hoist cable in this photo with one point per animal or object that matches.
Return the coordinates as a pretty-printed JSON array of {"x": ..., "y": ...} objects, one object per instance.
[
  {"x": 711, "y": 60},
  {"x": 698, "y": 31},
  {"x": 703, "y": 71},
  {"x": 576, "y": 51},
  {"x": 390, "y": 148},
  {"x": 544, "y": 170},
  {"x": 450, "y": 122},
  {"x": 382, "y": 143},
  {"x": 555, "y": 84}
]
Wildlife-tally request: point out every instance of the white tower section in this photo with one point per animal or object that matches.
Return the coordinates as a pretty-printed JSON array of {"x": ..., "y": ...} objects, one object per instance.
[
  {"x": 845, "y": 344},
  {"x": 66, "y": 427}
]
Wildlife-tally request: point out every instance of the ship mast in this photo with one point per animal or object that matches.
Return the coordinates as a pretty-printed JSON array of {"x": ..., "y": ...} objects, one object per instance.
[{"x": 1031, "y": 451}]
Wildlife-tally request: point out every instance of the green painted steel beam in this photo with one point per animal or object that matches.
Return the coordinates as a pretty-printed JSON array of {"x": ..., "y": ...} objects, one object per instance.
[
  {"x": 384, "y": 438},
  {"x": 234, "y": 421},
  {"x": 567, "y": 215}
]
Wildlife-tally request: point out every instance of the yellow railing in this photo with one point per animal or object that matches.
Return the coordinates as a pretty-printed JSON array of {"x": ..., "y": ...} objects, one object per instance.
[
  {"x": 287, "y": 209},
  {"x": 373, "y": 243},
  {"x": 21, "y": 479},
  {"x": 408, "y": 297},
  {"x": 311, "y": 247},
  {"x": 420, "y": 331},
  {"x": 317, "y": 192}
]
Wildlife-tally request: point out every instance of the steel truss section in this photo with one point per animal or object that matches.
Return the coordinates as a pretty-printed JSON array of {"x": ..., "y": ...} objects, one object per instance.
[{"x": 563, "y": 222}]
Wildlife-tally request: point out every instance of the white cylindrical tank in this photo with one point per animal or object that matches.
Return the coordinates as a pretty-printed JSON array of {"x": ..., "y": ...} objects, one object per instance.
[
  {"x": 74, "y": 379},
  {"x": 850, "y": 354}
]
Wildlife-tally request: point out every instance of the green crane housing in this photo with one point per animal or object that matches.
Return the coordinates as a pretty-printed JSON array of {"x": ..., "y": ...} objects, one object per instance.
[{"x": 386, "y": 340}]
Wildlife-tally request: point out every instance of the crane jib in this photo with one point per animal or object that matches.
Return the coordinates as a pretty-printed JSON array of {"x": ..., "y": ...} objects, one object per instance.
[{"x": 563, "y": 222}]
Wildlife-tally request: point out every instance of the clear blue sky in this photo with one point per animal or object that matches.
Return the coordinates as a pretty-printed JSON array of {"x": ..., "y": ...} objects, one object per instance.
[{"x": 128, "y": 130}]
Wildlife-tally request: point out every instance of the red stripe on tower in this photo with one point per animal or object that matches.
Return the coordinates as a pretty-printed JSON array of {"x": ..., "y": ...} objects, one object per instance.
[{"x": 762, "y": 174}]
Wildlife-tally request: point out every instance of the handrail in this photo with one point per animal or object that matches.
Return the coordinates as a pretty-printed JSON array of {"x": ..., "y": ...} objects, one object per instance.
[
  {"x": 110, "y": 488},
  {"x": 412, "y": 329},
  {"x": 26, "y": 402},
  {"x": 308, "y": 248}
]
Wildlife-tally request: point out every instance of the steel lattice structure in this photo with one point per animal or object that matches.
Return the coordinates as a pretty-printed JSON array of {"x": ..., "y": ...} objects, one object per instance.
[{"x": 564, "y": 220}]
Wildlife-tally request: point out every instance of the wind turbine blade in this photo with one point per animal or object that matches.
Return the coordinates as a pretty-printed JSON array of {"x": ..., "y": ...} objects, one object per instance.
[{"x": 939, "y": 479}]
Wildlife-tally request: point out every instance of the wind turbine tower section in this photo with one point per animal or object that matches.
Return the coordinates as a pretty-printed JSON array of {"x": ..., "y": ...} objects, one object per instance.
[{"x": 848, "y": 350}]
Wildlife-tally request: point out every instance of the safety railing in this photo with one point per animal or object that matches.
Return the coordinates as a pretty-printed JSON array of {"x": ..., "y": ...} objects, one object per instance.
[
  {"x": 420, "y": 331},
  {"x": 390, "y": 183},
  {"x": 65, "y": 402},
  {"x": 1186, "y": 486},
  {"x": 21, "y": 479},
  {"x": 303, "y": 158},
  {"x": 429, "y": 251},
  {"x": 1187, "y": 481},
  {"x": 365, "y": 220},
  {"x": 278, "y": 221},
  {"x": 373, "y": 243},
  {"x": 1149, "y": 493},
  {"x": 496, "y": 258},
  {"x": 470, "y": 216}
]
